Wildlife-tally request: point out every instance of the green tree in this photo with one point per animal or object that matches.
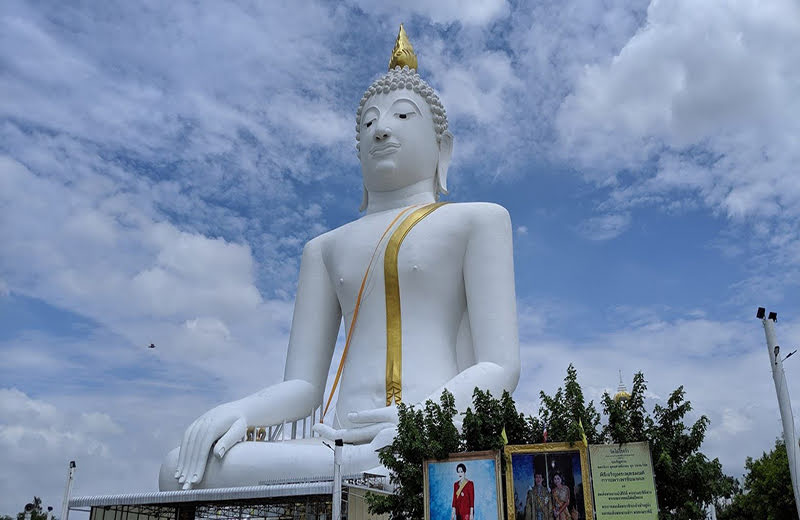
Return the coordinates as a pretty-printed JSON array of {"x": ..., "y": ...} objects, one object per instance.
[
  {"x": 36, "y": 514},
  {"x": 767, "y": 492},
  {"x": 628, "y": 420},
  {"x": 420, "y": 435},
  {"x": 565, "y": 412},
  {"x": 686, "y": 481},
  {"x": 483, "y": 427}
]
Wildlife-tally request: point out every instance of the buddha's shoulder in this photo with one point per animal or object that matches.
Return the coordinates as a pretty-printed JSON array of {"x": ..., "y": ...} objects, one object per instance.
[
  {"x": 459, "y": 213},
  {"x": 479, "y": 210}
]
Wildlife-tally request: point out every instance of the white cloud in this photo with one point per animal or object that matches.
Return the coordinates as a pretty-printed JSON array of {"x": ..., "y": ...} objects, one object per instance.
[
  {"x": 711, "y": 84},
  {"x": 605, "y": 227},
  {"x": 472, "y": 12}
]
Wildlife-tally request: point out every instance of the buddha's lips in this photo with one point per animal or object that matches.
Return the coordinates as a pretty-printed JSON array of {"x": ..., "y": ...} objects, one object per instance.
[{"x": 385, "y": 149}]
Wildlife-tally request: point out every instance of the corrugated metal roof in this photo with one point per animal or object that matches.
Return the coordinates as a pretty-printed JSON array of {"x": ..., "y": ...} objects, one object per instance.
[{"x": 207, "y": 495}]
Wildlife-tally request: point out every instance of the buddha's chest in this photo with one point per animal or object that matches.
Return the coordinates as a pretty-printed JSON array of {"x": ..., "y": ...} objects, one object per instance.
[{"x": 428, "y": 261}]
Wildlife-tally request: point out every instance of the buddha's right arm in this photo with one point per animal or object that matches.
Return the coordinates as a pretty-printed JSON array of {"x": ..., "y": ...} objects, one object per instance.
[{"x": 315, "y": 325}]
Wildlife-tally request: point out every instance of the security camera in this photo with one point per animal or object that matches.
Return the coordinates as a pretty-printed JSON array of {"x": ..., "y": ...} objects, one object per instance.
[
  {"x": 760, "y": 313},
  {"x": 28, "y": 507}
]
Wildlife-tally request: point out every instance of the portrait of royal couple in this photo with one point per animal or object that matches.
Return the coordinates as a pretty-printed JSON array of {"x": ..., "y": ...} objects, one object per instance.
[{"x": 549, "y": 503}]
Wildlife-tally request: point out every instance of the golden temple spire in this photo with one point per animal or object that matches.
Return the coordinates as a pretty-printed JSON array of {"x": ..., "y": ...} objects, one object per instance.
[
  {"x": 403, "y": 52},
  {"x": 622, "y": 392}
]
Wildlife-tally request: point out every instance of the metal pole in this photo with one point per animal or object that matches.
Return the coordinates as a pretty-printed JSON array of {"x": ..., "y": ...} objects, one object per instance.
[
  {"x": 337, "y": 480},
  {"x": 68, "y": 491},
  {"x": 784, "y": 405}
]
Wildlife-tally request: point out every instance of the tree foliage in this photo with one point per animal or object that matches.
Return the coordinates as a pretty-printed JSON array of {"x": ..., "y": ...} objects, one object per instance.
[
  {"x": 628, "y": 420},
  {"x": 37, "y": 513},
  {"x": 686, "y": 480},
  {"x": 767, "y": 489},
  {"x": 421, "y": 435},
  {"x": 566, "y": 411}
]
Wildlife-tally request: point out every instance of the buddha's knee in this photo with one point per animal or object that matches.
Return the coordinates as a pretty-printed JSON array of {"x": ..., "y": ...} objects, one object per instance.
[
  {"x": 253, "y": 463},
  {"x": 166, "y": 475}
]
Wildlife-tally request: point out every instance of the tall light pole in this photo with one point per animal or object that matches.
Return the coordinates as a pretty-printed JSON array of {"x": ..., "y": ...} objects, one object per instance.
[
  {"x": 784, "y": 404},
  {"x": 337, "y": 480},
  {"x": 68, "y": 491}
]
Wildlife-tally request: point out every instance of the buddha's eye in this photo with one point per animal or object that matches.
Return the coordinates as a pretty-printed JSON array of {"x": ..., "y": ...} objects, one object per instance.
[
  {"x": 405, "y": 115},
  {"x": 369, "y": 123}
]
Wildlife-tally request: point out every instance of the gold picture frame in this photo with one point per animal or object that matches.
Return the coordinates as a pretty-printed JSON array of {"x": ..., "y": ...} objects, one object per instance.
[
  {"x": 482, "y": 468},
  {"x": 562, "y": 458}
]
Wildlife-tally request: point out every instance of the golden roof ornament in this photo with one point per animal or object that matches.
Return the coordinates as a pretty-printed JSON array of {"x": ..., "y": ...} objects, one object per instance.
[
  {"x": 403, "y": 52},
  {"x": 622, "y": 392}
]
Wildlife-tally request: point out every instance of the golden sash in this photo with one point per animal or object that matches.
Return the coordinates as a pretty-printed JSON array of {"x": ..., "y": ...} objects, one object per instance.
[
  {"x": 394, "y": 332},
  {"x": 461, "y": 487},
  {"x": 357, "y": 307}
]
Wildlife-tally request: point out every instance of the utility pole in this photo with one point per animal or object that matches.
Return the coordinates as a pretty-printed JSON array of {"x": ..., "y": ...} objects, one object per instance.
[
  {"x": 68, "y": 491},
  {"x": 784, "y": 404},
  {"x": 337, "y": 479}
]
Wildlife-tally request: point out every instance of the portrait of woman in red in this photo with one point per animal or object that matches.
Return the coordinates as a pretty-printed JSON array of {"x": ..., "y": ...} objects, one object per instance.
[{"x": 463, "y": 496}]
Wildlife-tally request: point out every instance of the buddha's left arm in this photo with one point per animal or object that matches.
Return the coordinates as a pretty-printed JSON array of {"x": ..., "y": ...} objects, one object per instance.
[{"x": 492, "y": 309}]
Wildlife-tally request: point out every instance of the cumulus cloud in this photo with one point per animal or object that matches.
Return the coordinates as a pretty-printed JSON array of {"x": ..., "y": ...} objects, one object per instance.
[
  {"x": 707, "y": 89},
  {"x": 473, "y": 12}
]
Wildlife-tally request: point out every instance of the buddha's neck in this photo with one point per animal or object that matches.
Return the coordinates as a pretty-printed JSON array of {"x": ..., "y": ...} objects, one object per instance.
[{"x": 418, "y": 193}]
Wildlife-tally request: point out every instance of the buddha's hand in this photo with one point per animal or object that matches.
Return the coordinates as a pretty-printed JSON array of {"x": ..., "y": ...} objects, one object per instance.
[
  {"x": 370, "y": 424},
  {"x": 226, "y": 424}
]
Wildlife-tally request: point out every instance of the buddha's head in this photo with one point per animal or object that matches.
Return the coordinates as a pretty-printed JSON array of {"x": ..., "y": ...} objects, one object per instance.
[{"x": 401, "y": 129}]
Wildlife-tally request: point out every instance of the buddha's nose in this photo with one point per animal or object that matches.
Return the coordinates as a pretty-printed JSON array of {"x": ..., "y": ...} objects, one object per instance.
[{"x": 383, "y": 133}]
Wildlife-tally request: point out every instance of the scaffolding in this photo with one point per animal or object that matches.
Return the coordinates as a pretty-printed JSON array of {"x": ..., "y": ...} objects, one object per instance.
[{"x": 300, "y": 500}]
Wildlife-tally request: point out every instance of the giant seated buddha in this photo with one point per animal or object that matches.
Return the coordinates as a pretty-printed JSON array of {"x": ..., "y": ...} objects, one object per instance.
[{"x": 425, "y": 291}]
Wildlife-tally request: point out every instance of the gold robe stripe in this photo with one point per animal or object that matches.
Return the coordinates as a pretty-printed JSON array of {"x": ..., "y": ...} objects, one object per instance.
[{"x": 394, "y": 333}]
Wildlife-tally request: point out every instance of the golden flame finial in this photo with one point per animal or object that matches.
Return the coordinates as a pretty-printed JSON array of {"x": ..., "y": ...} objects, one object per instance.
[{"x": 403, "y": 52}]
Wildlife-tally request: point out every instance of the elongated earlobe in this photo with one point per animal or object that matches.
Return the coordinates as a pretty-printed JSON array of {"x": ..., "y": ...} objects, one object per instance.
[
  {"x": 364, "y": 199},
  {"x": 445, "y": 154}
]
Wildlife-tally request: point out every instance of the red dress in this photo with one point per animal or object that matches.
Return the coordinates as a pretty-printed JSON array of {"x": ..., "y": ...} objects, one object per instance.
[{"x": 464, "y": 501}]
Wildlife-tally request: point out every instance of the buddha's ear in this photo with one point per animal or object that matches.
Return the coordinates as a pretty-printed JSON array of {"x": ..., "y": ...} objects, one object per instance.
[
  {"x": 364, "y": 199},
  {"x": 445, "y": 154}
]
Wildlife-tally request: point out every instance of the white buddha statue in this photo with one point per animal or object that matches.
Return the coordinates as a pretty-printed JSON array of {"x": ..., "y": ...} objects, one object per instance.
[{"x": 427, "y": 295}]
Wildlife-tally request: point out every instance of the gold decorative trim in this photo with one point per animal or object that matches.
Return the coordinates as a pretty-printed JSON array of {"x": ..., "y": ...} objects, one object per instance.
[
  {"x": 550, "y": 447},
  {"x": 394, "y": 330}
]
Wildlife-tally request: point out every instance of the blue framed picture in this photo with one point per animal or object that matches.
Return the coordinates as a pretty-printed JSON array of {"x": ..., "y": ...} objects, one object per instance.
[{"x": 465, "y": 486}]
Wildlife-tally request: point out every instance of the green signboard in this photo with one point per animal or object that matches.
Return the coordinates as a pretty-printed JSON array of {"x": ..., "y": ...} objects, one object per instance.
[{"x": 623, "y": 481}]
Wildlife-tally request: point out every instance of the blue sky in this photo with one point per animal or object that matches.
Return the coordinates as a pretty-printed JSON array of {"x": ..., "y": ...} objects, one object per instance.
[{"x": 162, "y": 165}]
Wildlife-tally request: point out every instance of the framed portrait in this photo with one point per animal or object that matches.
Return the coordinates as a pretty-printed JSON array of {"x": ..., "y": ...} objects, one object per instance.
[
  {"x": 465, "y": 486},
  {"x": 548, "y": 482}
]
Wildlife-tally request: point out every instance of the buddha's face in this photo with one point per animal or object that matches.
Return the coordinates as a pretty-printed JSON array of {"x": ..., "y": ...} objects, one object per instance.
[{"x": 398, "y": 145}]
